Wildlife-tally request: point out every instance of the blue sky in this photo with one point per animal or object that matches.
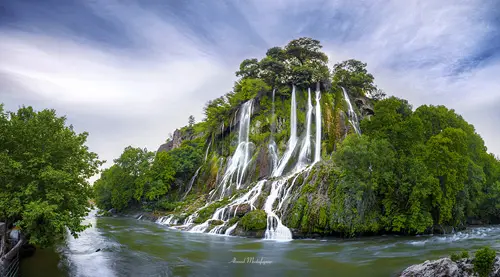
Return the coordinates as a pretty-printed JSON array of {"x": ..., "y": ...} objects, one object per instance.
[{"x": 130, "y": 72}]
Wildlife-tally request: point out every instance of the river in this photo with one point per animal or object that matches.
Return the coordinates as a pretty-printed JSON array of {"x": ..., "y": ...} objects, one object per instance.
[{"x": 132, "y": 247}]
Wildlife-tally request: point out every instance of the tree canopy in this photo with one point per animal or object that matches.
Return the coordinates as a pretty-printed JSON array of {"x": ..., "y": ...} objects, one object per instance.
[
  {"x": 44, "y": 166},
  {"x": 418, "y": 169}
]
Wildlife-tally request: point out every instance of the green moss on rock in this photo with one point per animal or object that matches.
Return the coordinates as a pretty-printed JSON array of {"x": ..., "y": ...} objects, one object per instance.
[{"x": 254, "y": 221}]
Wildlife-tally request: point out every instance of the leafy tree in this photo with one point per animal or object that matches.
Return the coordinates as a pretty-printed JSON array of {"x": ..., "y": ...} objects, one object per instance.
[
  {"x": 249, "y": 68},
  {"x": 352, "y": 75},
  {"x": 44, "y": 166},
  {"x": 162, "y": 174}
]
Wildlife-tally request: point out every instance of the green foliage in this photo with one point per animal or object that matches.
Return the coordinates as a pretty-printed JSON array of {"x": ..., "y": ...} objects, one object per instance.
[
  {"x": 255, "y": 220},
  {"x": 206, "y": 213},
  {"x": 459, "y": 255},
  {"x": 455, "y": 257},
  {"x": 353, "y": 76},
  {"x": 233, "y": 220},
  {"x": 138, "y": 176},
  {"x": 44, "y": 165},
  {"x": 483, "y": 261},
  {"x": 412, "y": 170}
]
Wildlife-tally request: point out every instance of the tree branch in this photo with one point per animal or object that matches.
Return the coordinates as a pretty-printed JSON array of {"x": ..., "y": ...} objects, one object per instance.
[{"x": 14, "y": 250}]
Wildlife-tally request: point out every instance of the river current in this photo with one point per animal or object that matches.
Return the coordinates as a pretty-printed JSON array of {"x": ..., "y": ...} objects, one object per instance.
[{"x": 130, "y": 247}]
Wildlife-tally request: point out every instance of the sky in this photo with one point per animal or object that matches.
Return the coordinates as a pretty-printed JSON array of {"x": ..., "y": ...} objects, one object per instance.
[{"x": 131, "y": 72}]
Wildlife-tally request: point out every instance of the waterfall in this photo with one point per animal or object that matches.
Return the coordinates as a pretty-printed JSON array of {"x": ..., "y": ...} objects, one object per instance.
[
  {"x": 353, "y": 118},
  {"x": 191, "y": 182},
  {"x": 206, "y": 152},
  {"x": 273, "y": 149},
  {"x": 230, "y": 229},
  {"x": 317, "y": 151},
  {"x": 273, "y": 152},
  {"x": 306, "y": 145},
  {"x": 275, "y": 229},
  {"x": 240, "y": 158},
  {"x": 287, "y": 193},
  {"x": 292, "y": 142}
]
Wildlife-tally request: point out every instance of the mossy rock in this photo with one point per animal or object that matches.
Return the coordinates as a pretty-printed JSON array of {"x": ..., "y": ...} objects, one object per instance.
[
  {"x": 206, "y": 213},
  {"x": 233, "y": 221},
  {"x": 215, "y": 222},
  {"x": 241, "y": 210},
  {"x": 255, "y": 220}
]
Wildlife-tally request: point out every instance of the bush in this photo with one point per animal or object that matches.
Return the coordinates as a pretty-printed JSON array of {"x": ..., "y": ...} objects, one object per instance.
[
  {"x": 459, "y": 255},
  {"x": 455, "y": 257},
  {"x": 483, "y": 261},
  {"x": 255, "y": 220},
  {"x": 166, "y": 205},
  {"x": 233, "y": 220}
]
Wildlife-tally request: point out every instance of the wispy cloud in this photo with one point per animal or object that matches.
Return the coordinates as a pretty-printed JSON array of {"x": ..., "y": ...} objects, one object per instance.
[{"x": 131, "y": 73}]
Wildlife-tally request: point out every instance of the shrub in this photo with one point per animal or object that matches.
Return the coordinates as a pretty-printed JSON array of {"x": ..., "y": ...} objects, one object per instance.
[
  {"x": 232, "y": 221},
  {"x": 255, "y": 220},
  {"x": 483, "y": 261},
  {"x": 465, "y": 254},
  {"x": 455, "y": 257}
]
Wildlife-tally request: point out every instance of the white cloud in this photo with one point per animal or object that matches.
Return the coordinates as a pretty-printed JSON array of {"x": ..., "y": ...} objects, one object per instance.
[{"x": 137, "y": 96}]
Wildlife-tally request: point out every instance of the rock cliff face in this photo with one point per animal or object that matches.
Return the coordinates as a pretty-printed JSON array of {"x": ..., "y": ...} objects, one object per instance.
[
  {"x": 269, "y": 158},
  {"x": 447, "y": 268},
  {"x": 175, "y": 142}
]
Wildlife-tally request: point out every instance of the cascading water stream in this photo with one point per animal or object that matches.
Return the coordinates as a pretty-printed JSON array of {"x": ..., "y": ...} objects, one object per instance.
[
  {"x": 240, "y": 160},
  {"x": 305, "y": 151},
  {"x": 317, "y": 151},
  {"x": 191, "y": 182},
  {"x": 230, "y": 229},
  {"x": 206, "y": 152},
  {"x": 292, "y": 142},
  {"x": 273, "y": 149},
  {"x": 353, "y": 118},
  {"x": 275, "y": 229}
]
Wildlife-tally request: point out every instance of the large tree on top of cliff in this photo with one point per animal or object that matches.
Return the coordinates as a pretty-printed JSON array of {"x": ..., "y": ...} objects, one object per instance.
[
  {"x": 300, "y": 62},
  {"x": 44, "y": 166}
]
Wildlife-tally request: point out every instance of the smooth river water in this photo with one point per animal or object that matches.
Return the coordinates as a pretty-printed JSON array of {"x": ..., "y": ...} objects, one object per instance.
[{"x": 131, "y": 247}]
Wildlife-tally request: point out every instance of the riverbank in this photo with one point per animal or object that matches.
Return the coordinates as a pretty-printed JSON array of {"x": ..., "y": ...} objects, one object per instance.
[{"x": 169, "y": 219}]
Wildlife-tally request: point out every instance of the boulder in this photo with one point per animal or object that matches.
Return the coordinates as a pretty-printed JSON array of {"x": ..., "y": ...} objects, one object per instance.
[
  {"x": 240, "y": 210},
  {"x": 447, "y": 268},
  {"x": 439, "y": 268}
]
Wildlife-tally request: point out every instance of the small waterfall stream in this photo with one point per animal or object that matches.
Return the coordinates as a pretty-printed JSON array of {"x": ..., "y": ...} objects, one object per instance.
[
  {"x": 353, "y": 118},
  {"x": 306, "y": 145},
  {"x": 317, "y": 151},
  {"x": 239, "y": 162}
]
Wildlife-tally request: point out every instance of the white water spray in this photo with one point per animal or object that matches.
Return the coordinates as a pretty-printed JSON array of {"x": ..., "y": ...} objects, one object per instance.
[
  {"x": 190, "y": 186},
  {"x": 292, "y": 142},
  {"x": 317, "y": 151},
  {"x": 353, "y": 118},
  {"x": 230, "y": 229},
  {"x": 306, "y": 145},
  {"x": 240, "y": 160}
]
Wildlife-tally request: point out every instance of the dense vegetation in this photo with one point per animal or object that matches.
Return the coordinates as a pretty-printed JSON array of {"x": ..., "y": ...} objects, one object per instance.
[
  {"x": 414, "y": 169},
  {"x": 44, "y": 167},
  {"x": 410, "y": 171}
]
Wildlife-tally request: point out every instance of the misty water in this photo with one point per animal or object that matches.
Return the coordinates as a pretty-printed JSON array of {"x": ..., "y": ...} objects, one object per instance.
[{"x": 131, "y": 247}]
